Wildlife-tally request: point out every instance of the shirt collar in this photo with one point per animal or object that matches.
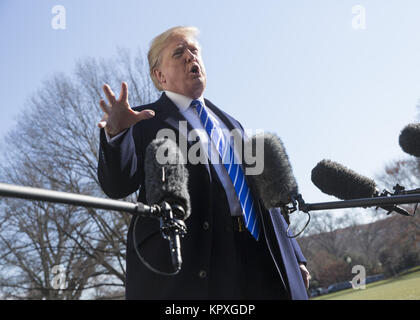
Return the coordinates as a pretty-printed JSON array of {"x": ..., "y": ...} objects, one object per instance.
[{"x": 181, "y": 101}]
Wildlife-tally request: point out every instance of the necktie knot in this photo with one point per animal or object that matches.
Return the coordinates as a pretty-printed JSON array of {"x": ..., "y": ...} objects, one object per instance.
[{"x": 197, "y": 104}]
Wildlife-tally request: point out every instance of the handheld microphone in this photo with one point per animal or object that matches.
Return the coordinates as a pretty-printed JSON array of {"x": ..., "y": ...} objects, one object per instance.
[
  {"x": 335, "y": 179},
  {"x": 276, "y": 185},
  {"x": 409, "y": 139},
  {"x": 166, "y": 182}
]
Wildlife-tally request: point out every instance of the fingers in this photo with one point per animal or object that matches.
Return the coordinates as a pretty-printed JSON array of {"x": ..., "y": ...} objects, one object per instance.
[
  {"x": 109, "y": 94},
  {"x": 105, "y": 109},
  {"x": 124, "y": 92},
  {"x": 305, "y": 275},
  {"x": 103, "y": 106},
  {"x": 145, "y": 114},
  {"x": 102, "y": 123}
]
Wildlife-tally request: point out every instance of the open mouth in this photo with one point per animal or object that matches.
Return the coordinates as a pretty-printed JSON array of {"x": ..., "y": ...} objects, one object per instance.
[{"x": 195, "y": 69}]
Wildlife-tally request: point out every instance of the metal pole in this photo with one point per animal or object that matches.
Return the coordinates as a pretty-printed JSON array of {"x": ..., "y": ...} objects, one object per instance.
[
  {"x": 37, "y": 194},
  {"x": 363, "y": 202}
]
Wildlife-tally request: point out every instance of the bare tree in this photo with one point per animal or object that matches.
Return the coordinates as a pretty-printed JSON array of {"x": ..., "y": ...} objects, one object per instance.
[
  {"x": 366, "y": 242},
  {"x": 326, "y": 246},
  {"x": 55, "y": 146},
  {"x": 325, "y": 228}
]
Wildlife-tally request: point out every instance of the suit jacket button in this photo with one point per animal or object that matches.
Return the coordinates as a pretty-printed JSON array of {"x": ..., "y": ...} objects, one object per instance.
[
  {"x": 206, "y": 225},
  {"x": 202, "y": 274}
]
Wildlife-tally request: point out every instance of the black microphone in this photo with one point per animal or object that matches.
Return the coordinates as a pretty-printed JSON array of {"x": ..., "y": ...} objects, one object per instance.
[
  {"x": 276, "y": 185},
  {"x": 337, "y": 180},
  {"x": 166, "y": 182},
  {"x": 409, "y": 139}
]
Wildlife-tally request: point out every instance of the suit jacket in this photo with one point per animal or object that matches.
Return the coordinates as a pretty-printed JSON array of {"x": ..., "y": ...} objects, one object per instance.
[{"x": 212, "y": 260}]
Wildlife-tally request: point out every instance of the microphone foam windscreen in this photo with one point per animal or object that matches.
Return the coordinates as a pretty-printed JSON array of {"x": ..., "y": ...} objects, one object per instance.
[
  {"x": 335, "y": 179},
  {"x": 410, "y": 139},
  {"x": 166, "y": 177},
  {"x": 276, "y": 183}
]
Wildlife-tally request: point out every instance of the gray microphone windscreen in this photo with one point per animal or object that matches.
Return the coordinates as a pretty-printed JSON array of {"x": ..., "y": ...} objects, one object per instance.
[
  {"x": 276, "y": 183},
  {"x": 335, "y": 179},
  {"x": 166, "y": 177},
  {"x": 410, "y": 139}
]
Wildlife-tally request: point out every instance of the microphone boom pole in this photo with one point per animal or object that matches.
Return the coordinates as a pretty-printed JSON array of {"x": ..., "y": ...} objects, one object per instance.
[
  {"x": 362, "y": 202},
  {"x": 37, "y": 194}
]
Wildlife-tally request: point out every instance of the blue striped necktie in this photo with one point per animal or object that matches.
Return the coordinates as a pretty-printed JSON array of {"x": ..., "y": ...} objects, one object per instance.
[{"x": 233, "y": 168}]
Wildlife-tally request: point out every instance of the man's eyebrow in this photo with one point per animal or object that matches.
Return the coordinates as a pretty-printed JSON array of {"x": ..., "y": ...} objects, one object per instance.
[
  {"x": 180, "y": 46},
  {"x": 195, "y": 44}
]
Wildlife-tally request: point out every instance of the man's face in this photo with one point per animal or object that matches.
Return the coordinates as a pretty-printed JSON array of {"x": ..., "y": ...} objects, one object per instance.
[{"x": 182, "y": 69}]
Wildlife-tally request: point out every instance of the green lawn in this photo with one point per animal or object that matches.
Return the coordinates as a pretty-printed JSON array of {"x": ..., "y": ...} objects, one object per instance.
[{"x": 404, "y": 287}]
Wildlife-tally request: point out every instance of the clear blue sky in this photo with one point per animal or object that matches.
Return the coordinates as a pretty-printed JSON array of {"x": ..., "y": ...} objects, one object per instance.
[{"x": 295, "y": 67}]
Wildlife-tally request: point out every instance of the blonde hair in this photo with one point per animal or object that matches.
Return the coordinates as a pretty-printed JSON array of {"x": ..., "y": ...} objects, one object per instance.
[{"x": 154, "y": 56}]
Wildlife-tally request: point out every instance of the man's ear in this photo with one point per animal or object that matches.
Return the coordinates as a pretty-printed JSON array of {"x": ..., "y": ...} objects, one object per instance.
[{"x": 159, "y": 76}]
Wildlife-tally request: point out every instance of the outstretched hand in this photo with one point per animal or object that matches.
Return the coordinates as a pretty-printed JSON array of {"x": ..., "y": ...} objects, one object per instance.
[{"x": 118, "y": 115}]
